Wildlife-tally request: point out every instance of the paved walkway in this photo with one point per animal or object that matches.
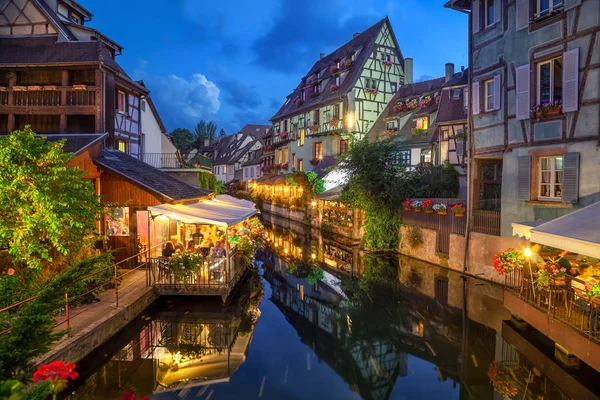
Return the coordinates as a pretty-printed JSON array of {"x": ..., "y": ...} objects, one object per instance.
[{"x": 88, "y": 317}]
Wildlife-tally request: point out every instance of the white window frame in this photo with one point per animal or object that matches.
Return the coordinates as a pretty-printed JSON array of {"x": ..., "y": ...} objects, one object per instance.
[
  {"x": 337, "y": 80},
  {"x": 538, "y": 11},
  {"x": 552, "y": 183},
  {"x": 488, "y": 96},
  {"x": 486, "y": 4},
  {"x": 538, "y": 84},
  {"x": 456, "y": 94},
  {"x": 392, "y": 125},
  {"x": 123, "y": 102},
  {"x": 394, "y": 87}
]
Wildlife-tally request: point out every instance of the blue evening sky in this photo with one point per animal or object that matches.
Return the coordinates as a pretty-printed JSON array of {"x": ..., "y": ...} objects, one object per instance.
[{"x": 234, "y": 61}]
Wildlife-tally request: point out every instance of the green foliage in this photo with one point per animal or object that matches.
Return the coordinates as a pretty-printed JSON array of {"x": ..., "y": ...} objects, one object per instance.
[
  {"x": 219, "y": 187},
  {"x": 207, "y": 181},
  {"x": 46, "y": 207},
  {"x": 379, "y": 183},
  {"x": 12, "y": 390},
  {"x": 414, "y": 236},
  {"x": 309, "y": 182},
  {"x": 316, "y": 275},
  {"x": 183, "y": 138},
  {"x": 31, "y": 328},
  {"x": 205, "y": 130}
]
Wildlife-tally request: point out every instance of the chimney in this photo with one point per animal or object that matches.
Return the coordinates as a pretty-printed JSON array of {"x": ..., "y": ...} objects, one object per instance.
[
  {"x": 207, "y": 142},
  {"x": 357, "y": 34},
  {"x": 408, "y": 70},
  {"x": 322, "y": 55},
  {"x": 462, "y": 68},
  {"x": 449, "y": 71}
]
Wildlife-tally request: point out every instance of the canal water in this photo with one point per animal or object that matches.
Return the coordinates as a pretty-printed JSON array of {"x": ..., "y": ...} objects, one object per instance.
[{"x": 358, "y": 327}]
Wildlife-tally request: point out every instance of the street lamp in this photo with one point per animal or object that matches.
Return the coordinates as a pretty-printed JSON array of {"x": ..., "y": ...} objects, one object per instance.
[
  {"x": 350, "y": 120},
  {"x": 528, "y": 255}
]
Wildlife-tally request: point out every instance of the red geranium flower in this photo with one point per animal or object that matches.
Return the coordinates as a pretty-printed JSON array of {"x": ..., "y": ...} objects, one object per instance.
[
  {"x": 131, "y": 396},
  {"x": 11, "y": 271}
]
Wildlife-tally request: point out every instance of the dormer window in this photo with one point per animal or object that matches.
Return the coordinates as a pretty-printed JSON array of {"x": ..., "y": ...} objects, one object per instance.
[
  {"x": 316, "y": 88},
  {"x": 75, "y": 19},
  {"x": 422, "y": 123},
  {"x": 318, "y": 74}
]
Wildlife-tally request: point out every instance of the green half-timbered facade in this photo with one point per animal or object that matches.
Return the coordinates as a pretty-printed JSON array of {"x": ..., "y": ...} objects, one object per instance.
[{"x": 339, "y": 98}]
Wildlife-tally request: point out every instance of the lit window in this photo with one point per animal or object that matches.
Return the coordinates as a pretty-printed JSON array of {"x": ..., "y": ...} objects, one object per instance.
[
  {"x": 426, "y": 155},
  {"x": 302, "y": 137},
  {"x": 489, "y": 12},
  {"x": 121, "y": 101},
  {"x": 343, "y": 146},
  {"x": 122, "y": 146},
  {"x": 422, "y": 123},
  {"x": 117, "y": 221},
  {"x": 489, "y": 95},
  {"x": 318, "y": 150},
  {"x": 225, "y": 169},
  {"x": 551, "y": 172},
  {"x": 456, "y": 94},
  {"x": 300, "y": 165},
  {"x": 549, "y": 81},
  {"x": 293, "y": 160},
  {"x": 546, "y": 7}
]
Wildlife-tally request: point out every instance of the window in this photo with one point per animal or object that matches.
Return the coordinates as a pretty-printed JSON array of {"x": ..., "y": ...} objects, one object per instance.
[
  {"x": 489, "y": 12},
  {"x": 456, "y": 94},
  {"x": 422, "y": 123},
  {"x": 403, "y": 157},
  {"x": 121, "y": 102},
  {"x": 549, "y": 81},
  {"x": 490, "y": 184},
  {"x": 394, "y": 87},
  {"x": 251, "y": 172},
  {"x": 343, "y": 146},
  {"x": 307, "y": 118},
  {"x": 370, "y": 83},
  {"x": 392, "y": 125},
  {"x": 316, "y": 88},
  {"x": 76, "y": 19},
  {"x": 293, "y": 160},
  {"x": 302, "y": 137},
  {"x": 303, "y": 95},
  {"x": 336, "y": 111},
  {"x": 279, "y": 156},
  {"x": 224, "y": 169},
  {"x": 489, "y": 94},
  {"x": 286, "y": 155},
  {"x": 318, "y": 151},
  {"x": 426, "y": 155},
  {"x": 551, "y": 173},
  {"x": 257, "y": 171},
  {"x": 143, "y": 105},
  {"x": 337, "y": 80},
  {"x": 317, "y": 117},
  {"x": 122, "y": 146},
  {"x": 300, "y": 165},
  {"x": 318, "y": 74},
  {"x": 117, "y": 221},
  {"x": 466, "y": 97},
  {"x": 546, "y": 7},
  {"x": 285, "y": 125}
]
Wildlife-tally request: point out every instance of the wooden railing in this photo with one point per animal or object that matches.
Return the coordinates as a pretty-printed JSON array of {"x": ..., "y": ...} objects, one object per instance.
[
  {"x": 487, "y": 222},
  {"x": 562, "y": 299},
  {"x": 48, "y": 96}
]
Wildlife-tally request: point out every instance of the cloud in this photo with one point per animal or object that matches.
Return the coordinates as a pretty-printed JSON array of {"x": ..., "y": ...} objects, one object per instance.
[
  {"x": 182, "y": 102},
  {"x": 303, "y": 29},
  {"x": 240, "y": 95}
]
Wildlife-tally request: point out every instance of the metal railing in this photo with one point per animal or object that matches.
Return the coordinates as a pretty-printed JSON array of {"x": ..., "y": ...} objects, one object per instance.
[
  {"x": 563, "y": 300},
  {"x": 216, "y": 276},
  {"x": 67, "y": 312},
  {"x": 164, "y": 160},
  {"x": 487, "y": 222}
]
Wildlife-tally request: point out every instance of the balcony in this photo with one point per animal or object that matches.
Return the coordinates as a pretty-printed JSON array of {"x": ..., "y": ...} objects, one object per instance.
[
  {"x": 18, "y": 98},
  {"x": 486, "y": 221},
  {"x": 176, "y": 161}
]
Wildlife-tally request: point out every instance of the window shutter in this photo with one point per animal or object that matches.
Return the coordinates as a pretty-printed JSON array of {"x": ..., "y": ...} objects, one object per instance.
[
  {"x": 522, "y": 14},
  {"x": 571, "y": 4},
  {"x": 475, "y": 16},
  {"x": 497, "y": 88},
  {"x": 475, "y": 98},
  {"x": 571, "y": 80},
  {"x": 524, "y": 178},
  {"x": 497, "y": 10},
  {"x": 570, "y": 186},
  {"x": 523, "y": 91}
]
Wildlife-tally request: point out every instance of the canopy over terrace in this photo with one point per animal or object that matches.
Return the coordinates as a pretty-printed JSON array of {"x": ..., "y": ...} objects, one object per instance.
[
  {"x": 577, "y": 232},
  {"x": 223, "y": 210}
]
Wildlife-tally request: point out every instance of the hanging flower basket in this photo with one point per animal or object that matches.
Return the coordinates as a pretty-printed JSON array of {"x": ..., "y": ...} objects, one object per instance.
[
  {"x": 334, "y": 69},
  {"x": 417, "y": 206},
  {"x": 407, "y": 204},
  {"x": 333, "y": 87},
  {"x": 440, "y": 208},
  {"x": 299, "y": 102},
  {"x": 458, "y": 210},
  {"x": 348, "y": 63},
  {"x": 506, "y": 261},
  {"x": 314, "y": 128},
  {"x": 399, "y": 107}
]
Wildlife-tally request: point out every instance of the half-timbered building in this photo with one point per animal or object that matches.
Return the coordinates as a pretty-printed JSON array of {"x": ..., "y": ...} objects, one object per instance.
[
  {"x": 61, "y": 77},
  {"x": 339, "y": 98}
]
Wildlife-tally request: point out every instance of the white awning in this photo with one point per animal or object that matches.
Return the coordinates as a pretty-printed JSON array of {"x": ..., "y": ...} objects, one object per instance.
[
  {"x": 577, "y": 232},
  {"x": 223, "y": 210}
]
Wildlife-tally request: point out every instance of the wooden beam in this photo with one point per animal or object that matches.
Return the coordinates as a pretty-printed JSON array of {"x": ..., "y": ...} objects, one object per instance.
[{"x": 48, "y": 110}]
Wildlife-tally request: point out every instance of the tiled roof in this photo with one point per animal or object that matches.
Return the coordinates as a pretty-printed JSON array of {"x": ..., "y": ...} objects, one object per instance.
[
  {"x": 149, "y": 178},
  {"x": 365, "y": 42},
  {"x": 55, "y": 19},
  {"x": 76, "y": 143},
  {"x": 459, "y": 79},
  {"x": 257, "y": 159},
  {"x": 451, "y": 109},
  {"x": 255, "y": 130}
]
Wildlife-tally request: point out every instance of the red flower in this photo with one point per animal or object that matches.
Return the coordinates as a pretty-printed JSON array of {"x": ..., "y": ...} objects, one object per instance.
[
  {"x": 131, "y": 396},
  {"x": 11, "y": 271},
  {"x": 54, "y": 371}
]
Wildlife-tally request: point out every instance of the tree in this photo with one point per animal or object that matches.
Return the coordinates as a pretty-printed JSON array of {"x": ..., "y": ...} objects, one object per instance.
[
  {"x": 183, "y": 138},
  {"x": 46, "y": 207},
  {"x": 222, "y": 134},
  {"x": 204, "y": 130}
]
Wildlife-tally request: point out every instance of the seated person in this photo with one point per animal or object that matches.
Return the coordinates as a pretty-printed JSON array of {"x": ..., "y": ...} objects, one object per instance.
[
  {"x": 218, "y": 251},
  {"x": 168, "y": 250},
  {"x": 586, "y": 273}
]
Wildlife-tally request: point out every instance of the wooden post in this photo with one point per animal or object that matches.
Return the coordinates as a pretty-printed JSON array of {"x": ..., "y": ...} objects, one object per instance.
[
  {"x": 116, "y": 286},
  {"x": 67, "y": 309},
  {"x": 12, "y": 81}
]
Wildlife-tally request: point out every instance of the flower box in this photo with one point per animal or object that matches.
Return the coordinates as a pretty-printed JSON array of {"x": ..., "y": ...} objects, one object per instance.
[
  {"x": 437, "y": 99},
  {"x": 284, "y": 165},
  {"x": 407, "y": 204},
  {"x": 440, "y": 208},
  {"x": 417, "y": 206},
  {"x": 428, "y": 206},
  {"x": 334, "y": 122},
  {"x": 314, "y": 128},
  {"x": 348, "y": 63},
  {"x": 412, "y": 104},
  {"x": 418, "y": 131},
  {"x": 458, "y": 210},
  {"x": 425, "y": 102},
  {"x": 51, "y": 88},
  {"x": 334, "y": 69},
  {"x": 387, "y": 63},
  {"x": 79, "y": 87},
  {"x": 283, "y": 135},
  {"x": 34, "y": 88},
  {"x": 546, "y": 110},
  {"x": 333, "y": 87},
  {"x": 390, "y": 132},
  {"x": 299, "y": 102},
  {"x": 371, "y": 91},
  {"x": 399, "y": 107},
  {"x": 19, "y": 88}
]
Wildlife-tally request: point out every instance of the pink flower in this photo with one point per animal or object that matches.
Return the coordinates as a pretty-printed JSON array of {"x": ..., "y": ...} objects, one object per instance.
[{"x": 563, "y": 270}]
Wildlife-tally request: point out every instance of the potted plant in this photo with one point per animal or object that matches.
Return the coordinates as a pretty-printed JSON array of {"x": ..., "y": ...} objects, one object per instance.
[
  {"x": 333, "y": 87},
  {"x": 417, "y": 206},
  {"x": 334, "y": 69},
  {"x": 299, "y": 102},
  {"x": 502, "y": 380},
  {"x": 440, "y": 208},
  {"x": 387, "y": 63},
  {"x": 399, "y": 107},
  {"x": 283, "y": 135},
  {"x": 506, "y": 261},
  {"x": 314, "y": 128},
  {"x": 407, "y": 204},
  {"x": 546, "y": 110},
  {"x": 592, "y": 287},
  {"x": 425, "y": 102},
  {"x": 418, "y": 131},
  {"x": 428, "y": 206},
  {"x": 348, "y": 63},
  {"x": 551, "y": 273},
  {"x": 412, "y": 104},
  {"x": 458, "y": 210}
]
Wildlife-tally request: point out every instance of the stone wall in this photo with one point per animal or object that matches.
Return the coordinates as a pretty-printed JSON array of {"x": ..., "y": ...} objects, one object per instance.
[
  {"x": 426, "y": 251},
  {"x": 284, "y": 212}
]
